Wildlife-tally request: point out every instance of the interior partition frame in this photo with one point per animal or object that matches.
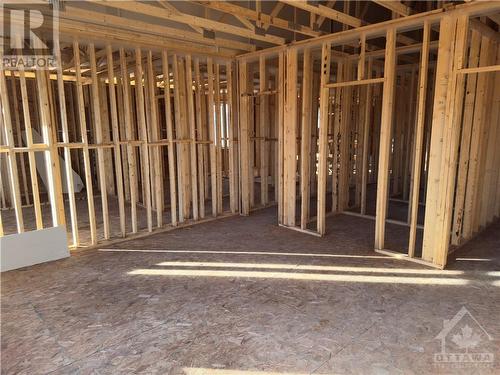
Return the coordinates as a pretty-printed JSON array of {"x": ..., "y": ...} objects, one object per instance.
[{"x": 390, "y": 30}]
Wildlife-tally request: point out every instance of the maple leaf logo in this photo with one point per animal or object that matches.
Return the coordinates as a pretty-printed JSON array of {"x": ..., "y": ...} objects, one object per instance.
[{"x": 467, "y": 339}]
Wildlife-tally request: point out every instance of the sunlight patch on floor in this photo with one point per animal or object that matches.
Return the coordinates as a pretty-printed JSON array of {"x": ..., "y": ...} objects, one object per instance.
[
  {"x": 474, "y": 259},
  {"x": 301, "y": 276},
  {"x": 310, "y": 267}
]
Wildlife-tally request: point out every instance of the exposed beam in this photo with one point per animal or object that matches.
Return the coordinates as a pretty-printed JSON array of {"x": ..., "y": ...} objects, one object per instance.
[
  {"x": 395, "y": 6},
  {"x": 275, "y": 12},
  {"x": 290, "y": 139},
  {"x": 305, "y": 142},
  {"x": 419, "y": 138},
  {"x": 53, "y": 77},
  {"x": 244, "y": 137},
  {"x": 403, "y": 24},
  {"x": 322, "y": 19},
  {"x": 71, "y": 12},
  {"x": 323, "y": 138},
  {"x": 70, "y": 29},
  {"x": 246, "y": 13},
  {"x": 258, "y": 9},
  {"x": 485, "y": 30},
  {"x": 385, "y": 137},
  {"x": 400, "y": 38},
  {"x": 241, "y": 19},
  {"x": 245, "y": 22},
  {"x": 170, "y": 7},
  {"x": 324, "y": 11},
  {"x": 81, "y": 29},
  {"x": 158, "y": 12},
  {"x": 495, "y": 18},
  {"x": 277, "y": 9}
]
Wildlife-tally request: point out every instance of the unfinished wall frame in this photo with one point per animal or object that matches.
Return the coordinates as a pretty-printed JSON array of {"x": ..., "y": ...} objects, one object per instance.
[
  {"x": 122, "y": 139},
  {"x": 428, "y": 155},
  {"x": 149, "y": 135}
]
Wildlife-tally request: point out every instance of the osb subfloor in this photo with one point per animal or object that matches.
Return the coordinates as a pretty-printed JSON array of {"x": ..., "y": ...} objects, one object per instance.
[{"x": 121, "y": 312}]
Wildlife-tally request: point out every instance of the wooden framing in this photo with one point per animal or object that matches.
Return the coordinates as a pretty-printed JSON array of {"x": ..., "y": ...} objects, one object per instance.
[
  {"x": 357, "y": 82},
  {"x": 154, "y": 132},
  {"x": 192, "y": 135},
  {"x": 200, "y": 95},
  {"x": 116, "y": 138},
  {"x": 131, "y": 156},
  {"x": 192, "y": 20},
  {"x": 406, "y": 165},
  {"x": 281, "y": 126},
  {"x": 19, "y": 139},
  {"x": 232, "y": 138},
  {"x": 185, "y": 38},
  {"x": 477, "y": 138},
  {"x": 290, "y": 139},
  {"x": 11, "y": 157},
  {"x": 305, "y": 162},
  {"x": 212, "y": 135},
  {"x": 182, "y": 133},
  {"x": 264, "y": 130},
  {"x": 419, "y": 136},
  {"x": 218, "y": 138},
  {"x": 326, "y": 12},
  {"x": 84, "y": 140},
  {"x": 439, "y": 168},
  {"x": 268, "y": 20},
  {"x": 366, "y": 134},
  {"x": 67, "y": 151},
  {"x": 385, "y": 138},
  {"x": 170, "y": 138},
  {"x": 143, "y": 135},
  {"x": 31, "y": 154},
  {"x": 245, "y": 173},
  {"x": 409, "y": 23},
  {"x": 466, "y": 138},
  {"x": 266, "y": 119},
  {"x": 323, "y": 137},
  {"x": 395, "y": 6},
  {"x": 45, "y": 102},
  {"x": 99, "y": 140}
]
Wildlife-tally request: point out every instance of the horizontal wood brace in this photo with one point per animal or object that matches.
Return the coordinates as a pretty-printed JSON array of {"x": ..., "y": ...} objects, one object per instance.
[
  {"x": 264, "y": 138},
  {"x": 354, "y": 83},
  {"x": 260, "y": 93},
  {"x": 480, "y": 69},
  {"x": 35, "y": 147},
  {"x": 132, "y": 142}
]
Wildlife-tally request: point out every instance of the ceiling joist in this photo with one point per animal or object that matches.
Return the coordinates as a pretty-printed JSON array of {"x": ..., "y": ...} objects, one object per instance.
[
  {"x": 266, "y": 19},
  {"x": 205, "y": 23},
  {"x": 321, "y": 20},
  {"x": 74, "y": 13},
  {"x": 275, "y": 12},
  {"x": 325, "y": 11},
  {"x": 395, "y": 6},
  {"x": 170, "y": 7}
]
